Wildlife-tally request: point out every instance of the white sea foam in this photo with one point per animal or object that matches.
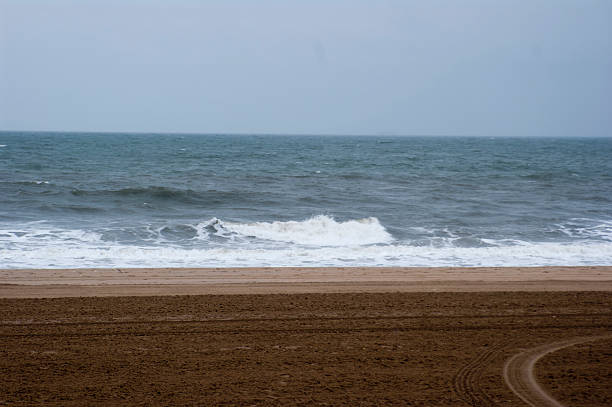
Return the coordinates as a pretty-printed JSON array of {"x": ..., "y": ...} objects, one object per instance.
[
  {"x": 319, "y": 231},
  {"x": 55, "y": 235},
  {"x": 587, "y": 228},
  {"x": 105, "y": 255},
  {"x": 319, "y": 241}
]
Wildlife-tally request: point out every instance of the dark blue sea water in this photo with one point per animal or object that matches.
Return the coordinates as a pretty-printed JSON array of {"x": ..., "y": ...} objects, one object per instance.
[{"x": 103, "y": 200}]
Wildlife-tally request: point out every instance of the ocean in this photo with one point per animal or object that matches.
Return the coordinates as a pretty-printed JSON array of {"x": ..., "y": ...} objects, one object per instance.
[{"x": 176, "y": 200}]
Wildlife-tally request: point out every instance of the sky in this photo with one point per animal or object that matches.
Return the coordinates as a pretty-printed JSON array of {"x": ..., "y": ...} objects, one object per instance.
[{"x": 430, "y": 67}]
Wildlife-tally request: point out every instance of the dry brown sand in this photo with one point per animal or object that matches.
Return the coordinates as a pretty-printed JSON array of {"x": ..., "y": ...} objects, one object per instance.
[{"x": 420, "y": 337}]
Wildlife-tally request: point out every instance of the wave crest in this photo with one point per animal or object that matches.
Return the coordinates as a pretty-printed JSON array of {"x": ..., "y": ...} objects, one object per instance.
[
  {"x": 319, "y": 230},
  {"x": 154, "y": 191}
]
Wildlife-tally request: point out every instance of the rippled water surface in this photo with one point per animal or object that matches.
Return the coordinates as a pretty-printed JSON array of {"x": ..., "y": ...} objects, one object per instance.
[{"x": 80, "y": 200}]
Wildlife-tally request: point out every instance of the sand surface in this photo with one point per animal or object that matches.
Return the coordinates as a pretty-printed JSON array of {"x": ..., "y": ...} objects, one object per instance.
[
  {"x": 389, "y": 336},
  {"x": 420, "y": 349},
  {"x": 169, "y": 281}
]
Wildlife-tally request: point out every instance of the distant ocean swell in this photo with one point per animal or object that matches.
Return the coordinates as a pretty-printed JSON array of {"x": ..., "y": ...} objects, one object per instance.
[
  {"x": 146, "y": 193},
  {"x": 317, "y": 241}
]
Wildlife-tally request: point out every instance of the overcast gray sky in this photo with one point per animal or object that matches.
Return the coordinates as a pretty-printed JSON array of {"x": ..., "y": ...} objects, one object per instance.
[{"x": 490, "y": 67}]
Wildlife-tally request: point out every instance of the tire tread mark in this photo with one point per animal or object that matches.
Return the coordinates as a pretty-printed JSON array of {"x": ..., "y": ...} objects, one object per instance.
[
  {"x": 519, "y": 373},
  {"x": 466, "y": 382}
]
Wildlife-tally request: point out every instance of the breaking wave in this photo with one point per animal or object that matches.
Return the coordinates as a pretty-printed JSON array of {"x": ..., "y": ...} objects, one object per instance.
[
  {"x": 317, "y": 241},
  {"x": 319, "y": 230}
]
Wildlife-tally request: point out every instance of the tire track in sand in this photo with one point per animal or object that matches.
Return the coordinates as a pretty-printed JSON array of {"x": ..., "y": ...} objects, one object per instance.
[
  {"x": 520, "y": 377},
  {"x": 466, "y": 382}
]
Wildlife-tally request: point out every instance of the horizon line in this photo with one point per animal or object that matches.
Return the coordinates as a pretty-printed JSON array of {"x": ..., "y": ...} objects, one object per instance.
[{"x": 189, "y": 133}]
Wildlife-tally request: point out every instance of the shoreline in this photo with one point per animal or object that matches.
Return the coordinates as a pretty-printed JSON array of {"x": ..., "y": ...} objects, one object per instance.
[{"x": 87, "y": 282}]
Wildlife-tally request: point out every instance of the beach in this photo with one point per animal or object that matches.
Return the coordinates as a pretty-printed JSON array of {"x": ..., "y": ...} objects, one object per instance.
[
  {"x": 209, "y": 203},
  {"x": 306, "y": 336}
]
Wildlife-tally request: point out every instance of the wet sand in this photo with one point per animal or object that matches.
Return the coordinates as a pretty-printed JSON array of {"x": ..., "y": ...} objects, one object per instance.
[
  {"x": 327, "y": 342},
  {"x": 290, "y": 280}
]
